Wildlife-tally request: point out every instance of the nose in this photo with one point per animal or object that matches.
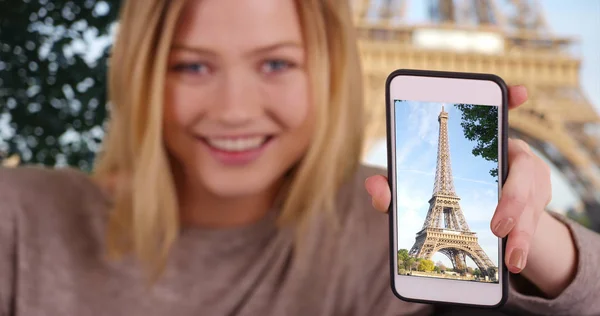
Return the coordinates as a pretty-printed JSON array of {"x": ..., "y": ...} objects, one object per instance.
[{"x": 240, "y": 100}]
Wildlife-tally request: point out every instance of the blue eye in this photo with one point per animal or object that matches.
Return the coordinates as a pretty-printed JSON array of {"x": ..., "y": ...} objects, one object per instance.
[
  {"x": 190, "y": 68},
  {"x": 276, "y": 65}
]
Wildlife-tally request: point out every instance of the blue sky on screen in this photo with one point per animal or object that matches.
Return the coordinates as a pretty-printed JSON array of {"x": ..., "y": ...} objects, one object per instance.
[{"x": 417, "y": 131}]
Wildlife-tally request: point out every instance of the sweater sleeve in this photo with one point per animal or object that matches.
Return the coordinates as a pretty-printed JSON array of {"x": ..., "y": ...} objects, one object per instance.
[
  {"x": 7, "y": 247},
  {"x": 581, "y": 296}
]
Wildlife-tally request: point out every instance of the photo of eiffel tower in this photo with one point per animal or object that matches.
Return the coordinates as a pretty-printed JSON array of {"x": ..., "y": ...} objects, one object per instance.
[{"x": 445, "y": 229}]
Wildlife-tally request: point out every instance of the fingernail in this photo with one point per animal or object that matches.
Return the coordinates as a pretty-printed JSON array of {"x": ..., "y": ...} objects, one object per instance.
[
  {"x": 368, "y": 186},
  {"x": 503, "y": 227},
  {"x": 516, "y": 258}
]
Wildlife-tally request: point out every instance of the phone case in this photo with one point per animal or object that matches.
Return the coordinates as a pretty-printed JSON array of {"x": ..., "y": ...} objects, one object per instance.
[{"x": 503, "y": 176}]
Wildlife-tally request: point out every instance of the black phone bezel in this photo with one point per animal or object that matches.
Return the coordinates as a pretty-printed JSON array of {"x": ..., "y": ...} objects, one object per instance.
[{"x": 390, "y": 147}]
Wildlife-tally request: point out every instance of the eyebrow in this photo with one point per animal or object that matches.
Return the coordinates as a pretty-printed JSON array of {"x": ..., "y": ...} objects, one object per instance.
[{"x": 267, "y": 48}]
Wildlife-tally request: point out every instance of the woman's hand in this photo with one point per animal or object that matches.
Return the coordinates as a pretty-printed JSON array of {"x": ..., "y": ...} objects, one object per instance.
[{"x": 525, "y": 195}]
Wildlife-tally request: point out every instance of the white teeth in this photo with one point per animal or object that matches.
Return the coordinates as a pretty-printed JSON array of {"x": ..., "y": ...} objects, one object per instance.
[{"x": 238, "y": 144}]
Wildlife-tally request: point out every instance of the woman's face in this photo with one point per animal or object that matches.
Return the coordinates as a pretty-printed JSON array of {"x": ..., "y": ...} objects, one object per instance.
[{"x": 237, "y": 107}]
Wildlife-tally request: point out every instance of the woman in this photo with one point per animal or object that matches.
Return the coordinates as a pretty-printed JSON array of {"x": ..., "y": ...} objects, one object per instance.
[{"x": 229, "y": 184}]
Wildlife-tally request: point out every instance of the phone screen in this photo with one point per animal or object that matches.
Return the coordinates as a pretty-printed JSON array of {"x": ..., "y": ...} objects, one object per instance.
[{"x": 446, "y": 165}]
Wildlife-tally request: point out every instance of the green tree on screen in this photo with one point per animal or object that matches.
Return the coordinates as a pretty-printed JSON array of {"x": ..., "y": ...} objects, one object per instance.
[
  {"x": 53, "y": 62},
  {"x": 426, "y": 265},
  {"x": 480, "y": 124},
  {"x": 403, "y": 259}
]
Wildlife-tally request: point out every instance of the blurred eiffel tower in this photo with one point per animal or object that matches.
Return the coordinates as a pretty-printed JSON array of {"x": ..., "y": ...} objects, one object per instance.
[{"x": 510, "y": 38}]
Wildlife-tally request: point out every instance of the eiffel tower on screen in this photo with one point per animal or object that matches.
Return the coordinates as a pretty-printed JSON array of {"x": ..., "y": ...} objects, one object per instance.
[{"x": 445, "y": 229}]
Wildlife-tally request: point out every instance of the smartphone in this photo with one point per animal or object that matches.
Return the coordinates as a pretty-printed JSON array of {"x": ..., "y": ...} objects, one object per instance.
[{"x": 447, "y": 161}]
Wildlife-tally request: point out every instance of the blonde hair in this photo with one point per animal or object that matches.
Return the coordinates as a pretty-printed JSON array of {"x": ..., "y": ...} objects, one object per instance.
[{"x": 145, "y": 217}]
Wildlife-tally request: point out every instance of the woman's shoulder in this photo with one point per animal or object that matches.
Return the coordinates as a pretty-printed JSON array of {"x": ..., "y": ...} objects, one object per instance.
[
  {"x": 11, "y": 176},
  {"x": 48, "y": 191},
  {"x": 40, "y": 180}
]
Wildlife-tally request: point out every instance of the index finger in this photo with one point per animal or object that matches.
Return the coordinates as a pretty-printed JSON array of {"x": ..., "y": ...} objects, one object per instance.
[{"x": 516, "y": 192}]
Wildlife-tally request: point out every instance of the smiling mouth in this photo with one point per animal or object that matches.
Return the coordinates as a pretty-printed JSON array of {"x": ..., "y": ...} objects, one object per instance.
[{"x": 237, "y": 144}]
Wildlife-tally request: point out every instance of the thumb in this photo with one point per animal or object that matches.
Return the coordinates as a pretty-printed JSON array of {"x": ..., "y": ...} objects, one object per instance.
[{"x": 379, "y": 189}]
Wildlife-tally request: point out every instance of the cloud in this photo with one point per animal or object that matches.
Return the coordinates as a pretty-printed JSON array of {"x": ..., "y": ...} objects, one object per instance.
[
  {"x": 477, "y": 206},
  {"x": 418, "y": 132},
  {"x": 494, "y": 184},
  {"x": 412, "y": 209},
  {"x": 491, "y": 193},
  {"x": 423, "y": 120},
  {"x": 405, "y": 150}
]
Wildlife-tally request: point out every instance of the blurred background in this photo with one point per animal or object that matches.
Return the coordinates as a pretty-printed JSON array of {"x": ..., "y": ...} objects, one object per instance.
[{"x": 53, "y": 62}]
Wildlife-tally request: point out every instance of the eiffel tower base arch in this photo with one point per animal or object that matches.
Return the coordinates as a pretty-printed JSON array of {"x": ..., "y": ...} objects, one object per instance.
[{"x": 457, "y": 247}]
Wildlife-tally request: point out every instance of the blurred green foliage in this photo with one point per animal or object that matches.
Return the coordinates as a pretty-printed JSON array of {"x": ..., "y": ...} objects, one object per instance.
[{"x": 53, "y": 63}]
